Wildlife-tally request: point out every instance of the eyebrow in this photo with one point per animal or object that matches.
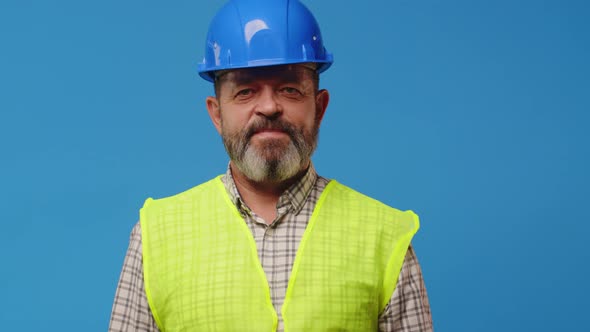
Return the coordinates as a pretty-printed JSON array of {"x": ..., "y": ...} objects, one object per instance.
[{"x": 288, "y": 75}]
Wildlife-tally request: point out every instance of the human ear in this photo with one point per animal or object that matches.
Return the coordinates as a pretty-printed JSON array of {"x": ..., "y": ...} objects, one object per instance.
[
  {"x": 214, "y": 112},
  {"x": 322, "y": 99}
]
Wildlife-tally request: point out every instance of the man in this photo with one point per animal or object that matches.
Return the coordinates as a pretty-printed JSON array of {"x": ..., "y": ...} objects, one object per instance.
[{"x": 270, "y": 245}]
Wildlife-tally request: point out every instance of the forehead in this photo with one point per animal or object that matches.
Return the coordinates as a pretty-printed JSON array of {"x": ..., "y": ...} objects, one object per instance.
[{"x": 283, "y": 73}]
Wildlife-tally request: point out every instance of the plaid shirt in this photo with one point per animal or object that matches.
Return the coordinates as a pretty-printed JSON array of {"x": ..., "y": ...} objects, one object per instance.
[{"x": 407, "y": 311}]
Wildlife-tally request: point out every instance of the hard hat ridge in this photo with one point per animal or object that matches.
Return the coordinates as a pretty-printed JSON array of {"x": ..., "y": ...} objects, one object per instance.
[{"x": 254, "y": 33}]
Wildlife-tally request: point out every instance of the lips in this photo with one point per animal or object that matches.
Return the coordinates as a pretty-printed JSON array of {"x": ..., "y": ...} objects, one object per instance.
[
  {"x": 269, "y": 129},
  {"x": 270, "y": 133}
]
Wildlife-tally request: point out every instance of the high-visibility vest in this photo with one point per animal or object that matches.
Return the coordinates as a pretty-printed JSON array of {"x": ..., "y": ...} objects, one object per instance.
[{"x": 202, "y": 271}]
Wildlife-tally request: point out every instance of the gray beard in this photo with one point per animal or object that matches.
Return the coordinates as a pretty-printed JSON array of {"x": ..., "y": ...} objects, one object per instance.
[
  {"x": 271, "y": 161},
  {"x": 259, "y": 168}
]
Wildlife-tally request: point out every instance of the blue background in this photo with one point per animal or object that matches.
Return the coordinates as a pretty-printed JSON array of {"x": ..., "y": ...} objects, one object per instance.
[{"x": 472, "y": 113}]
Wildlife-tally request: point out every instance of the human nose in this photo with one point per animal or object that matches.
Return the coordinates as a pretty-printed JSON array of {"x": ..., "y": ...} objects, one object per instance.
[{"x": 267, "y": 104}]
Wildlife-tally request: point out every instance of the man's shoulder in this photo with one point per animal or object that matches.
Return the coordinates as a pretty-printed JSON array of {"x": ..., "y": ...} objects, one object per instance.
[
  {"x": 185, "y": 196},
  {"x": 366, "y": 203},
  {"x": 355, "y": 195}
]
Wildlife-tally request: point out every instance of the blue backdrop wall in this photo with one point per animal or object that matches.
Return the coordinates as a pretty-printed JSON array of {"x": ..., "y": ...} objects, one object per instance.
[{"x": 475, "y": 114}]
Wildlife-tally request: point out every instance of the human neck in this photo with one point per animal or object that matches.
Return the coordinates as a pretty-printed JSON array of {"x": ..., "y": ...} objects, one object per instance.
[{"x": 262, "y": 197}]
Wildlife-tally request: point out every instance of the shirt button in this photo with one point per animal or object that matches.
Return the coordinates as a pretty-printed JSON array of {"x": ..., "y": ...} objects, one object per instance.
[{"x": 269, "y": 232}]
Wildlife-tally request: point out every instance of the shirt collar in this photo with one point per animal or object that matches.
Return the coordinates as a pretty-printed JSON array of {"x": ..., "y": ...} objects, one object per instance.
[{"x": 293, "y": 198}]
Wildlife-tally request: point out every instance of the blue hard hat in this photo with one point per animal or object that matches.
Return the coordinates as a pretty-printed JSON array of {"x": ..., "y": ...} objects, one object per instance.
[{"x": 255, "y": 33}]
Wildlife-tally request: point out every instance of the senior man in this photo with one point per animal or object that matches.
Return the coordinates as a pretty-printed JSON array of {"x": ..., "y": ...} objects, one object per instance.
[{"x": 270, "y": 245}]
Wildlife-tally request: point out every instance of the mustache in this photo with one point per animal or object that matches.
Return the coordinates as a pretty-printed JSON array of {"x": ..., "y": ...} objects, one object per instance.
[{"x": 266, "y": 124}]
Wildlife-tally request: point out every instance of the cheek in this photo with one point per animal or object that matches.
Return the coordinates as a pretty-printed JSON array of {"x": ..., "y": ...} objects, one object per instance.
[
  {"x": 310, "y": 117},
  {"x": 234, "y": 123}
]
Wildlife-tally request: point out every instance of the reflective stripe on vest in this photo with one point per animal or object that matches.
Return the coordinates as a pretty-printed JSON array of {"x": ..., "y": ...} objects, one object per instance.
[{"x": 202, "y": 272}]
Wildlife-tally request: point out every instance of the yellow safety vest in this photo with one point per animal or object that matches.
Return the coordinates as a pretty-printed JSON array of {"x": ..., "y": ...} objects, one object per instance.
[{"x": 202, "y": 272}]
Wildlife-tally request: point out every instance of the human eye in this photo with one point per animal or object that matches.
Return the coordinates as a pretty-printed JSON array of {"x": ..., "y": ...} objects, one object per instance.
[
  {"x": 290, "y": 91},
  {"x": 244, "y": 93}
]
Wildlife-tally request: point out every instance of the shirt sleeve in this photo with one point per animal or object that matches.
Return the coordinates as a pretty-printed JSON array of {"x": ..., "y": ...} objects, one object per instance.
[
  {"x": 131, "y": 311},
  {"x": 408, "y": 309}
]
